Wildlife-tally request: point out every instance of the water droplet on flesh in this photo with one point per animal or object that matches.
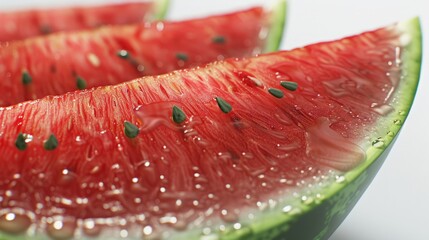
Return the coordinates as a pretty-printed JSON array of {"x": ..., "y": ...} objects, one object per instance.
[
  {"x": 263, "y": 33},
  {"x": 147, "y": 230},
  {"x": 287, "y": 209},
  {"x": 61, "y": 228},
  {"x": 140, "y": 68},
  {"x": 14, "y": 223},
  {"x": 168, "y": 220},
  {"x": 93, "y": 59},
  {"x": 307, "y": 200},
  {"x": 207, "y": 231},
  {"x": 228, "y": 216},
  {"x": 90, "y": 228},
  {"x": 237, "y": 226},
  {"x": 123, "y": 233},
  {"x": 67, "y": 177},
  {"x": 382, "y": 109},
  {"x": 319, "y": 198},
  {"x": 340, "y": 179},
  {"x": 402, "y": 113},
  {"x": 291, "y": 210},
  {"x": 398, "y": 54},
  {"x": 160, "y": 26},
  {"x": 378, "y": 143}
]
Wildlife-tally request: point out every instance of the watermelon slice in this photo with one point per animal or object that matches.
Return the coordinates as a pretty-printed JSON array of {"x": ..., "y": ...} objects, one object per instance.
[
  {"x": 66, "y": 62},
  {"x": 276, "y": 146},
  {"x": 23, "y": 24}
]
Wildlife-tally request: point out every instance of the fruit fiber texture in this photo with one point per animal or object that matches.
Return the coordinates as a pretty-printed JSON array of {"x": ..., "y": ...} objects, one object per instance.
[
  {"x": 279, "y": 145},
  {"x": 17, "y": 25},
  {"x": 65, "y": 62}
]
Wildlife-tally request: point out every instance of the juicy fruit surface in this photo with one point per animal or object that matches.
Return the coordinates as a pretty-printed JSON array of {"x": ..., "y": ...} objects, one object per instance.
[
  {"x": 245, "y": 138},
  {"x": 30, "y": 23},
  {"x": 70, "y": 61}
]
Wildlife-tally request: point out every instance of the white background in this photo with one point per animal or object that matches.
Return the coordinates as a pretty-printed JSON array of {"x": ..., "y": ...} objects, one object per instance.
[{"x": 396, "y": 205}]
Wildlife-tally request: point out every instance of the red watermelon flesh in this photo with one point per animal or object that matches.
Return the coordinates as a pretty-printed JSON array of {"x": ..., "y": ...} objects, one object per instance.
[
  {"x": 17, "y": 25},
  {"x": 198, "y": 144},
  {"x": 66, "y": 62}
]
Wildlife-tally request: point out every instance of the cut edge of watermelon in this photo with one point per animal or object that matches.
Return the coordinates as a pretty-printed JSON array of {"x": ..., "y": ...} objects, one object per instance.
[
  {"x": 160, "y": 9},
  {"x": 321, "y": 218},
  {"x": 278, "y": 23}
]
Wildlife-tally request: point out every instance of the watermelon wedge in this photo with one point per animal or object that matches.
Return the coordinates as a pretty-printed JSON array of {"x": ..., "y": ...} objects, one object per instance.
[
  {"x": 65, "y": 62},
  {"x": 276, "y": 146},
  {"x": 17, "y": 25}
]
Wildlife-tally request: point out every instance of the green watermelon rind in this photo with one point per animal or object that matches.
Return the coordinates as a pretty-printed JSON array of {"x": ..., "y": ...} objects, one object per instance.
[
  {"x": 278, "y": 23},
  {"x": 161, "y": 9},
  {"x": 319, "y": 220}
]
